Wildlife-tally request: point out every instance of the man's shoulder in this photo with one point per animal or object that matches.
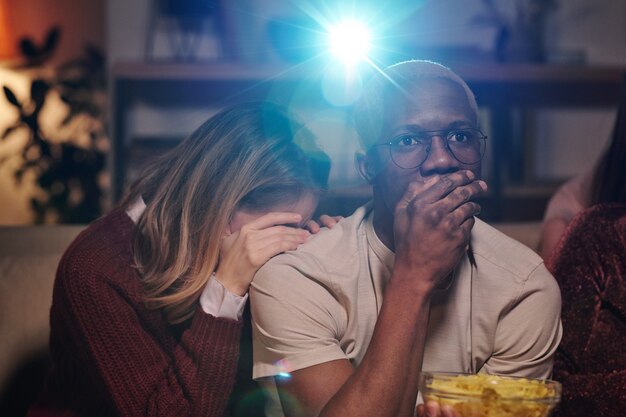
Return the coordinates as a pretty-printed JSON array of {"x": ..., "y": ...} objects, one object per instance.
[
  {"x": 325, "y": 252},
  {"x": 507, "y": 271},
  {"x": 492, "y": 247}
]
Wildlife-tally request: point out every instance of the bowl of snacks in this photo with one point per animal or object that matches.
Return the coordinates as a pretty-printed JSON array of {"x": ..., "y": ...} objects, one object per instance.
[{"x": 485, "y": 395}]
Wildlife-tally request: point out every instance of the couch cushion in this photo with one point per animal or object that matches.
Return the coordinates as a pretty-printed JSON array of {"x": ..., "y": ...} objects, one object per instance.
[{"x": 28, "y": 260}]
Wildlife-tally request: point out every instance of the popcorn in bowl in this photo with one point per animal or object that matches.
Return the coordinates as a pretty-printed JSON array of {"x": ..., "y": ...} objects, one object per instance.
[{"x": 484, "y": 395}]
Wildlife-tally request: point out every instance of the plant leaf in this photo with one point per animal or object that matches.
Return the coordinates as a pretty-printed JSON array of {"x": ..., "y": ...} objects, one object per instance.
[
  {"x": 11, "y": 97},
  {"x": 28, "y": 48},
  {"x": 51, "y": 40},
  {"x": 38, "y": 90}
]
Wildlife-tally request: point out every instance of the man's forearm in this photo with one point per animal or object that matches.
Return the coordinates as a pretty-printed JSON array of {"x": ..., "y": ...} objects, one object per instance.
[
  {"x": 385, "y": 383},
  {"x": 417, "y": 356}
]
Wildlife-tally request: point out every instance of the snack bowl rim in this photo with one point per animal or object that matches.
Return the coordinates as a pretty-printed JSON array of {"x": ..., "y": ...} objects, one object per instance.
[{"x": 551, "y": 399}]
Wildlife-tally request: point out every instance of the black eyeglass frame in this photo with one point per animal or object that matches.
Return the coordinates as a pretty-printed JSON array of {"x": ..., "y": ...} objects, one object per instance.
[{"x": 432, "y": 133}]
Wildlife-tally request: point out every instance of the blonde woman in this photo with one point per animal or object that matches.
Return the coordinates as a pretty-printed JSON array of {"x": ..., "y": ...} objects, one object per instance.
[{"x": 147, "y": 305}]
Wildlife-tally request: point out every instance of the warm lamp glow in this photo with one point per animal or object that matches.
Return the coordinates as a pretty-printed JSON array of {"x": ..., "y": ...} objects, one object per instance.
[{"x": 7, "y": 44}]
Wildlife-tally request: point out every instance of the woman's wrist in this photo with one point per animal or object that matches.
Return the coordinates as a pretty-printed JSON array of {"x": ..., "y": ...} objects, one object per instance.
[
  {"x": 232, "y": 282},
  {"x": 218, "y": 301}
]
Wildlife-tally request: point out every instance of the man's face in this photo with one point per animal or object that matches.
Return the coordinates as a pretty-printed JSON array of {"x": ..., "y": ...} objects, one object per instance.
[{"x": 431, "y": 105}]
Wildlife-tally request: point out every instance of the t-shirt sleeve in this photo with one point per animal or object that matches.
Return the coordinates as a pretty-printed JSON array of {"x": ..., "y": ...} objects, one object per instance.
[
  {"x": 529, "y": 332},
  {"x": 297, "y": 320}
]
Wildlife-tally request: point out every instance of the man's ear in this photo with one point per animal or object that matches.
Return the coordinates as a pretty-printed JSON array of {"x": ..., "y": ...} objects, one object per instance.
[{"x": 365, "y": 166}]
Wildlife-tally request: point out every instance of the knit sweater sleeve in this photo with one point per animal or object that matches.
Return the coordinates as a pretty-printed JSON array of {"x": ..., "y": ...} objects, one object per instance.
[{"x": 130, "y": 354}]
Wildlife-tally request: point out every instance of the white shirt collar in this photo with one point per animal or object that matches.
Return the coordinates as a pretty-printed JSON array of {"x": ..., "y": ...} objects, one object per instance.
[{"x": 136, "y": 209}]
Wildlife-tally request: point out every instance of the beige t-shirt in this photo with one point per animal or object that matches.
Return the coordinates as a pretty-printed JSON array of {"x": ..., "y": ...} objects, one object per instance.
[{"x": 320, "y": 303}]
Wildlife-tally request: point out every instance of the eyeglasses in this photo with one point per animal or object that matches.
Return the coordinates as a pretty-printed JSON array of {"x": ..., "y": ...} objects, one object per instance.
[{"x": 410, "y": 150}]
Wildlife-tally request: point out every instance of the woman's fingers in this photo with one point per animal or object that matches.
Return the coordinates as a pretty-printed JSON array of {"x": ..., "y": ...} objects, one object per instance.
[
  {"x": 263, "y": 237},
  {"x": 329, "y": 221},
  {"x": 244, "y": 252},
  {"x": 276, "y": 230},
  {"x": 324, "y": 220},
  {"x": 272, "y": 246},
  {"x": 272, "y": 219},
  {"x": 313, "y": 226},
  {"x": 261, "y": 245}
]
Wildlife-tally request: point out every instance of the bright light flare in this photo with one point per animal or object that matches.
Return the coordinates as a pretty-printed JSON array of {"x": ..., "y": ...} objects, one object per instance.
[{"x": 349, "y": 41}]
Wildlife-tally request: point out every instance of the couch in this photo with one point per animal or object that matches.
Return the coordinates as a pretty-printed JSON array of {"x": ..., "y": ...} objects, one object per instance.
[{"x": 28, "y": 259}]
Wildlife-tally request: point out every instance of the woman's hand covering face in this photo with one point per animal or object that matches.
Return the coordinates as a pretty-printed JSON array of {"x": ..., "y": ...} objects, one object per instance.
[{"x": 246, "y": 250}]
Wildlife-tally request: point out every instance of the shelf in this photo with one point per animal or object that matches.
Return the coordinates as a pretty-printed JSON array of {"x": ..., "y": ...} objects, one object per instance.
[
  {"x": 544, "y": 85},
  {"x": 543, "y": 74},
  {"x": 214, "y": 72},
  {"x": 599, "y": 83},
  {"x": 499, "y": 88}
]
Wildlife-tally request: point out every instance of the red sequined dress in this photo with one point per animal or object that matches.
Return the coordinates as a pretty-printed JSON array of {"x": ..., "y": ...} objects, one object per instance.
[{"x": 590, "y": 267}]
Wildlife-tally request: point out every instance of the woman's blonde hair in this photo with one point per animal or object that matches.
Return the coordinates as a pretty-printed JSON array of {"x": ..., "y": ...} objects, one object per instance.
[{"x": 252, "y": 156}]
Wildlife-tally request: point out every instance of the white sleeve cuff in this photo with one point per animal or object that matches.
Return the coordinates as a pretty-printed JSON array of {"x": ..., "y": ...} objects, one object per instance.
[{"x": 219, "y": 302}]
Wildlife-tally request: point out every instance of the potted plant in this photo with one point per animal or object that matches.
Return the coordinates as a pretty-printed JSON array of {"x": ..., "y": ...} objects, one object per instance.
[{"x": 68, "y": 171}]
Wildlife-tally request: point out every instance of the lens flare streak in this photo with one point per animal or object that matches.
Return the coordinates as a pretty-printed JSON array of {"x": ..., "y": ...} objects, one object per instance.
[{"x": 349, "y": 41}]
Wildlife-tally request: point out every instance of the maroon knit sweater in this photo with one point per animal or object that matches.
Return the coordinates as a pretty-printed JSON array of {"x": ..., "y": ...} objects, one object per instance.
[
  {"x": 113, "y": 356},
  {"x": 590, "y": 265}
]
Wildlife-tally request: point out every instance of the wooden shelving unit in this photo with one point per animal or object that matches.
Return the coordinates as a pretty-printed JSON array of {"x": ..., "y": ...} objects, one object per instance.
[{"x": 500, "y": 88}]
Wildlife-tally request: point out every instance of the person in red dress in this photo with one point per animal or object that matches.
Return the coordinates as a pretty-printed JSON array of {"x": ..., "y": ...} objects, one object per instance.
[{"x": 589, "y": 263}]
